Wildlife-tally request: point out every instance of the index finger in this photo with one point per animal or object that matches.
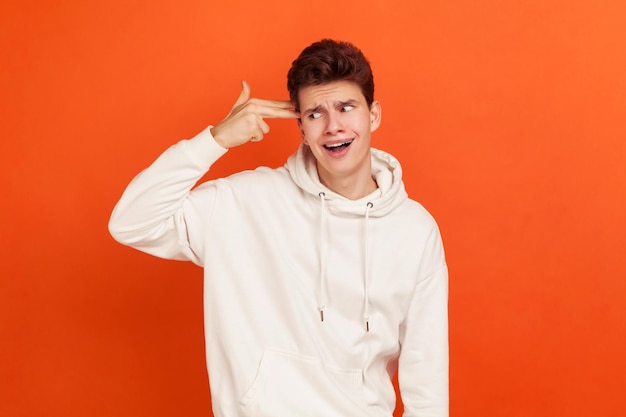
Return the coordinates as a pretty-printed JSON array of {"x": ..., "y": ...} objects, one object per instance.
[
  {"x": 282, "y": 109},
  {"x": 281, "y": 104},
  {"x": 278, "y": 113}
]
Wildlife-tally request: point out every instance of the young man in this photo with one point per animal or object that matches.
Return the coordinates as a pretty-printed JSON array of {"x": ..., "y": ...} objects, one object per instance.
[{"x": 321, "y": 277}]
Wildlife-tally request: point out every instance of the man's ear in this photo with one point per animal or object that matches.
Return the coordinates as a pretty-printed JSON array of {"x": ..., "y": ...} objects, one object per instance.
[
  {"x": 375, "y": 115},
  {"x": 301, "y": 132}
]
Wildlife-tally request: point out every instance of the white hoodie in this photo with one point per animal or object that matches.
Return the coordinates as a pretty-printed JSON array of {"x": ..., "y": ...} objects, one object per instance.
[{"x": 280, "y": 251}]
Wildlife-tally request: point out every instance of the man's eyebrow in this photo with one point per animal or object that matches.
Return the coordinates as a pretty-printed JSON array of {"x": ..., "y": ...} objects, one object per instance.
[
  {"x": 340, "y": 103},
  {"x": 348, "y": 102},
  {"x": 315, "y": 109}
]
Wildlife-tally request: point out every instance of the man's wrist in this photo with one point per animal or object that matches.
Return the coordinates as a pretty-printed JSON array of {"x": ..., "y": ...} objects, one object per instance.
[{"x": 216, "y": 137}]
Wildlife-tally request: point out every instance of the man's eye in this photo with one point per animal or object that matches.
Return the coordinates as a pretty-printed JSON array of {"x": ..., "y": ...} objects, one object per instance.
[
  {"x": 347, "y": 107},
  {"x": 315, "y": 115}
]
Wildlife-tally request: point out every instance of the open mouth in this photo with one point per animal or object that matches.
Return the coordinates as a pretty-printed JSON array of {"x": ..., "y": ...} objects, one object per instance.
[{"x": 339, "y": 146}]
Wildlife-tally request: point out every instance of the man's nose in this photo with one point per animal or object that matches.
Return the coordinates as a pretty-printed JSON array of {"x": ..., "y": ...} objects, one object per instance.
[{"x": 334, "y": 124}]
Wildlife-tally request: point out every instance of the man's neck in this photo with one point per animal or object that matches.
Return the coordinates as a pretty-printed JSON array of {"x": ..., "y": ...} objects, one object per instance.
[{"x": 350, "y": 187}]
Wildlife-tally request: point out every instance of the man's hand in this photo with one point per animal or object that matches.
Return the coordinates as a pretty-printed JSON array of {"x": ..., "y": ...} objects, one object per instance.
[{"x": 245, "y": 121}]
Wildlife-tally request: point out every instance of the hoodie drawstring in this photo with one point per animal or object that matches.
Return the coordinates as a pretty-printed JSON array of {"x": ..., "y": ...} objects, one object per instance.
[
  {"x": 322, "y": 300},
  {"x": 323, "y": 248},
  {"x": 366, "y": 267}
]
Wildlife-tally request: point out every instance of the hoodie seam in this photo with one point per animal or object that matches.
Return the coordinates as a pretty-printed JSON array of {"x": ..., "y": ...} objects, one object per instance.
[{"x": 430, "y": 274}]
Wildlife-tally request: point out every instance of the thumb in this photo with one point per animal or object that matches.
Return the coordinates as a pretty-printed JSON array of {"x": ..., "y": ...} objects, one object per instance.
[{"x": 244, "y": 95}]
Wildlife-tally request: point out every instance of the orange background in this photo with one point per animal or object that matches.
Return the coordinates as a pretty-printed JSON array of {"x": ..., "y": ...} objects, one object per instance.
[{"x": 508, "y": 116}]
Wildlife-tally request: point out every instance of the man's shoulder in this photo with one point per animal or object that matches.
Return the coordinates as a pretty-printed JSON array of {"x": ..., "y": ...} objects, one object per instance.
[
  {"x": 260, "y": 173},
  {"x": 416, "y": 209},
  {"x": 414, "y": 218},
  {"x": 261, "y": 179}
]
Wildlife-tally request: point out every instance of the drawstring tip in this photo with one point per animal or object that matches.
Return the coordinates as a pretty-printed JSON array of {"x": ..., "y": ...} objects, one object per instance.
[
  {"x": 367, "y": 326},
  {"x": 321, "y": 315}
]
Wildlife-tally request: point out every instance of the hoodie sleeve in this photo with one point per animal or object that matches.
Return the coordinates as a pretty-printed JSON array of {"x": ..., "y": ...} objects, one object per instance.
[
  {"x": 157, "y": 212},
  {"x": 423, "y": 362}
]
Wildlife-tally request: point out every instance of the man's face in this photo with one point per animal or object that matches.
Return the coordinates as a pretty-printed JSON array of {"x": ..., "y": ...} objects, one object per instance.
[{"x": 336, "y": 123}]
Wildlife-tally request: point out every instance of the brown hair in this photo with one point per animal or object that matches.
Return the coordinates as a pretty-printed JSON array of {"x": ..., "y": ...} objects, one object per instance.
[{"x": 326, "y": 61}]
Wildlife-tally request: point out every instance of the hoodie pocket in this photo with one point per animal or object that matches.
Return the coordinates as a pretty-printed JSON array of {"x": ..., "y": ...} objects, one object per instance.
[{"x": 289, "y": 384}]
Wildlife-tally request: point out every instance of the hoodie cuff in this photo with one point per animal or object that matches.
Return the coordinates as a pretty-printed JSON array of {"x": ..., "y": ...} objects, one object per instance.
[{"x": 203, "y": 150}]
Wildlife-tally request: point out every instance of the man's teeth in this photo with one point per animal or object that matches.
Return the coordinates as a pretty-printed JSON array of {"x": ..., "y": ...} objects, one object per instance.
[{"x": 337, "y": 145}]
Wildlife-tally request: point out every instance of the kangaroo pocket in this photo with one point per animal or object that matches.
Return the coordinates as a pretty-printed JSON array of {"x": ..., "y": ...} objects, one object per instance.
[{"x": 288, "y": 384}]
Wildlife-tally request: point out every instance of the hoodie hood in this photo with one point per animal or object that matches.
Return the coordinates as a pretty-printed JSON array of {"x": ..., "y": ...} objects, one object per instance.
[{"x": 386, "y": 171}]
